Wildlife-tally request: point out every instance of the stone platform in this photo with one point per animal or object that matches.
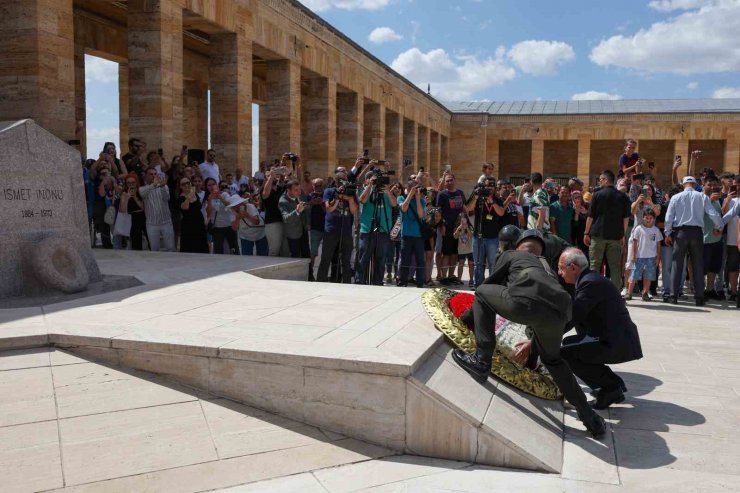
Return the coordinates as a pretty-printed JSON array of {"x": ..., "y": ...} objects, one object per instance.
[
  {"x": 675, "y": 432},
  {"x": 363, "y": 361}
]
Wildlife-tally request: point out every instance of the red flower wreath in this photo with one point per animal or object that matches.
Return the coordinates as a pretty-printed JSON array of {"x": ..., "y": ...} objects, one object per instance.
[{"x": 460, "y": 303}]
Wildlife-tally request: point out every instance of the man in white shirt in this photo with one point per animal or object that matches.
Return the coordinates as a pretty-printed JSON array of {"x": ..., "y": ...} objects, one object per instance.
[
  {"x": 732, "y": 265},
  {"x": 684, "y": 222},
  {"x": 209, "y": 168}
]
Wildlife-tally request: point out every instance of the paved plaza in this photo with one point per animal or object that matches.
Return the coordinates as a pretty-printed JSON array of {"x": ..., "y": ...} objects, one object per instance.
[{"x": 71, "y": 422}]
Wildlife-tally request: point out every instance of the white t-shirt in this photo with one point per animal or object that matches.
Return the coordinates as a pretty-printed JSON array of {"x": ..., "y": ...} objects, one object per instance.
[
  {"x": 209, "y": 170},
  {"x": 249, "y": 231},
  {"x": 647, "y": 241}
]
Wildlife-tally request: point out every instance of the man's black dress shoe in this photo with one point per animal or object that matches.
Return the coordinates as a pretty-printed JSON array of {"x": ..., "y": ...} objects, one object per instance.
[
  {"x": 607, "y": 398},
  {"x": 674, "y": 300},
  {"x": 472, "y": 364},
  {"x": 594, "y": 423}
]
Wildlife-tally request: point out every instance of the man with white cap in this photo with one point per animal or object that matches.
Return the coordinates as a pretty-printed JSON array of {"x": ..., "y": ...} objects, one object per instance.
[{"x": 684, "y": 222}]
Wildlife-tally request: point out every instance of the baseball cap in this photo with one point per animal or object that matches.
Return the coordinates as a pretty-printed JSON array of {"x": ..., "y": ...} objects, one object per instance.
[{"x": 688, "y": 179}]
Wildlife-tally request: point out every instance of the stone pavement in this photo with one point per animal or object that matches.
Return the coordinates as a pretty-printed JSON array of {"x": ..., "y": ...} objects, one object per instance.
[{"x": 66, "y": 422}]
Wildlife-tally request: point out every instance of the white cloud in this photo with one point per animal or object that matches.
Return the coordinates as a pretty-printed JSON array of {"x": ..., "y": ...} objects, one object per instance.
[
  {"x": 703, "y": 39},
  {"x": 671, "y": 5},
  {"x": 320, "y": 5},
  {"x": 595, "y": 95},
  {"x": 540, "y": 57},
  {"x": 100, "y": 70},
  {"x": 381, "y": 35},
  {"x": 726, "y": 92},
  {"x": 453, "y": 78},
  {"x": 96, "y": 137},
  {"x": 691, "y": 86}
]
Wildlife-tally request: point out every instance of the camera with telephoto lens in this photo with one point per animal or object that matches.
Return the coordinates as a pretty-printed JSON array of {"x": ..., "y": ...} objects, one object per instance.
[{"x": 292, "y": 157}]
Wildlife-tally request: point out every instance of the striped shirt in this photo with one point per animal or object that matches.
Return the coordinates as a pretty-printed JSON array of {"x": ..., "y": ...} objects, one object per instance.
[{"x": 156, "y": 204}]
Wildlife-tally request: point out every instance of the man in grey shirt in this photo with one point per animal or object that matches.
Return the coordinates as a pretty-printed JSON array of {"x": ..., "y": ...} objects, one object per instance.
[
  {"x": 156, "y": 197},
  {"x": 684, "y": 223},
  {"x": 295, "y": 220}
]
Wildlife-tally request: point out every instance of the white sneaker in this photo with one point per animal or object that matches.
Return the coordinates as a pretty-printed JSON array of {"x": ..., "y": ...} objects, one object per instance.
[{"x": 624, "y": 292}]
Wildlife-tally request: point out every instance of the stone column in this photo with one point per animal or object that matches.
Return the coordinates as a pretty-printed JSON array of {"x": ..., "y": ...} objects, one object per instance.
[
  {"x": 424, "y": 150},
  {"x": 445, "y": 145},
  {"x": 435, "y": 154},
  {"x": 410, "y": 150},
  {"x": 318, "y": 125},
  {"x": 37, "y": 69},
  {"x": 584, "y": 159},
  {"x": 374, "y": 135},
  {"x": 195, "y": 114},
  {"x": 732, "y": 154},
  {"x": 80, "y": 105},
  {"x": 155, "y": 73},
  {"x": 394, "y": 141},
  {"x": 681, "y": 148},
  {"x": 123, "y": 107},
  {"x": 493, "y": 153},
  {"x": 283, "y": 108},
  {"x": 538, "y": 156},
  {"x": 349, "y": 128},
  {"x": 230, "y": 79}
]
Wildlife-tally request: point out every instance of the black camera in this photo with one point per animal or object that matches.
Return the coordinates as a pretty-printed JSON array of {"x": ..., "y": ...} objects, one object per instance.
[
  {"x": 382, "y": 178},
  {"x": 407, "y": 162},
  {"x": 292, "y": 157},
  {"x": 346, "y": 188},
  {"x": 423, "y": 190},
  {"x": 481, "y": 191}
]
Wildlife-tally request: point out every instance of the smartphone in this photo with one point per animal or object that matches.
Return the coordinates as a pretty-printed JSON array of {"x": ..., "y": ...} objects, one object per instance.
[
  {"x": 366, "y": 153},
  {"x": 735, "y": 188},
  {"x": 448, "y": 167},
  {"x": 382, "y": 162},
  {"x": 160, "y": 152},
  {"x": 678, "y": 157},
  {"x": 651, "y": 165}
]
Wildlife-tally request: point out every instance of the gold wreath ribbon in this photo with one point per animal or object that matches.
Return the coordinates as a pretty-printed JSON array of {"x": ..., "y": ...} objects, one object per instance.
[{"x": 533, "y": 382}]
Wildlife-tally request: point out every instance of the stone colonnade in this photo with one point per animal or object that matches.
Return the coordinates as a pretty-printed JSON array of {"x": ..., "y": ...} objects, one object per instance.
[
  {"x": 315, "y": 100},
  {"x": 583, "y": 146}
]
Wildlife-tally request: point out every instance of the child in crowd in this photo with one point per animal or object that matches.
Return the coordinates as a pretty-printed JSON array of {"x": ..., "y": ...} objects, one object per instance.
[
  {"x": 645, "y": 255},
  {"x": 464, "y": 235}
]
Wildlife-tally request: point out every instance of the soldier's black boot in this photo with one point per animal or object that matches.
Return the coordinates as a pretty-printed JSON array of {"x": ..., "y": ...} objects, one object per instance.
[
  {"x": 473, "y": 364},
  {"x": 594, "y": 423},
  {"x": 606, "y": 398}
]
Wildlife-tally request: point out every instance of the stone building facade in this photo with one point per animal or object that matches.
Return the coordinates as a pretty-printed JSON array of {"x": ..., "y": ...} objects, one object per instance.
[{"x": 321, "y": 95}]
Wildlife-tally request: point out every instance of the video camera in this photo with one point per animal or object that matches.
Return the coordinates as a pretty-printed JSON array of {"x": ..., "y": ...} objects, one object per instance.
[
  {"x": 481, "y": 191},
  {"x": 382, "y": 178},
  {"x": 346, "y": 188}
]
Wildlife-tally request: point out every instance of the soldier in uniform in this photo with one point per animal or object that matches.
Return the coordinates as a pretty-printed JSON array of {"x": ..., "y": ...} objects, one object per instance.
[{"x": 524, "y": 289}]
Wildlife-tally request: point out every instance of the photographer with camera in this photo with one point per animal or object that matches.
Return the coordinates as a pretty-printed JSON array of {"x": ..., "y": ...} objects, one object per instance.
[
  {"x": 272, "y": 190},
  {"x": 376, "y": 221},
  {"x": 295, "y": 220},
  {"x": 412, "y": 207},
  {"x": 340, "y": 202},
  {"x": 489, "y": 211},
  {"x": 451, "y": 201}
]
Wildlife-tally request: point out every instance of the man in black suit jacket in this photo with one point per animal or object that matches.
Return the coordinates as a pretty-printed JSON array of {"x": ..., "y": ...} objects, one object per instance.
[{"x": 605, "y": 331}]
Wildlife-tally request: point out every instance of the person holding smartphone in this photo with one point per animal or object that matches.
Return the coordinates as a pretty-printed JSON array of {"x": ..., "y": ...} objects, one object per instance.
[{"x": 295, "y": 220}]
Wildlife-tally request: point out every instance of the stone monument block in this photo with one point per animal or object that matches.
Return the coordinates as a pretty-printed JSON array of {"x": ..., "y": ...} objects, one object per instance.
[{"x": 45, "y": 240}]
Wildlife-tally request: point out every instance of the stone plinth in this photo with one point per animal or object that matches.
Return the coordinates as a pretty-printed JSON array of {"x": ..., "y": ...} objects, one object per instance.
[{"x": 43, "y": 216}]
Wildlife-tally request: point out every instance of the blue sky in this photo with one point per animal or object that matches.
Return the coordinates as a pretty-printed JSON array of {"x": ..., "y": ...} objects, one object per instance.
[{"x": 521, "y": 50}]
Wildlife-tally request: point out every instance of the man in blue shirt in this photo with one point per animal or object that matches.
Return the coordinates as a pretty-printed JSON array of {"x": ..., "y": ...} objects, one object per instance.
[
  {"x": 412, "y": 207},
  {"x": 684, "y": 223},
  {"x": 340, "y": 210},
  {"x": 376, "y": 221}
]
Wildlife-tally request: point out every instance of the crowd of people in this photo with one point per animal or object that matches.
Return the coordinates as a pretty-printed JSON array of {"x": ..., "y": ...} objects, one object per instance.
[{"x": 362, "y": 225}]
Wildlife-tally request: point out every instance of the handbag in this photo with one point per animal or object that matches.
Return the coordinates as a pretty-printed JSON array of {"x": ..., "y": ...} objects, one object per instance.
[
  {"x": 110, "y": 216},
  {"x": 123, "y": 224}
]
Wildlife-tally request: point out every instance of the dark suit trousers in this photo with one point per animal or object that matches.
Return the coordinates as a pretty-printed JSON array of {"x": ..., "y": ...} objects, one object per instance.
[
  {"x": 587, "y": 358},
  {"x": 492, "y": 299},
  {"x": 688, "y": 239}
]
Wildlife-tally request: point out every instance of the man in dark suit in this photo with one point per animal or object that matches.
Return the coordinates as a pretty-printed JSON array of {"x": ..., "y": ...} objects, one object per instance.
[
  {"x": 605, "y": 331},
  {"x": 524, "y": 289}
]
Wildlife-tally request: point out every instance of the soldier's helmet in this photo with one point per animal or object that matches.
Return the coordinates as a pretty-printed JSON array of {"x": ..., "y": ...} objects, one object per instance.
[
  {"x": 532, "y": 233},
  {"x": 508, "y": 237}
]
